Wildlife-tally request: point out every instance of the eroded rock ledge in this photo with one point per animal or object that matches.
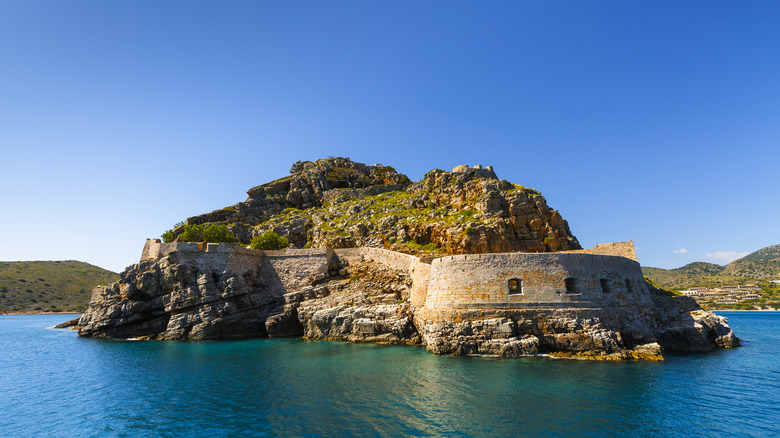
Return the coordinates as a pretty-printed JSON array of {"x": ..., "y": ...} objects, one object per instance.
[{"x": 585, "y": 304}]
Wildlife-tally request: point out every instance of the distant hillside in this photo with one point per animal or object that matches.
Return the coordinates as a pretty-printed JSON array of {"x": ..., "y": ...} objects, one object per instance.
[
  {"x": 768, "y": 254},
  {"x": 762, "y": 265},
  {"x": 680, "y": 279},
  {"x": 700, "y": 268},
  {"x": 49, "y": 286},
  {"x": 754, "y": 269}
]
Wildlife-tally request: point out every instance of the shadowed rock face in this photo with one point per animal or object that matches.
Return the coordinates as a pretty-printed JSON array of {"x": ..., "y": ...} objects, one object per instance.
[{"x": 164, "y": 300}]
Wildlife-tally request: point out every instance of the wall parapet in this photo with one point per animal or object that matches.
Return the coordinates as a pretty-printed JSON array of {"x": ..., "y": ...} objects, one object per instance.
[{"x": 155, "y": 249}]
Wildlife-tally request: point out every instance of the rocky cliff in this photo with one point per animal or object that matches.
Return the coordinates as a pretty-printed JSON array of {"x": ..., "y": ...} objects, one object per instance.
[
  {"x": 338, "y": 203},
  {"x": 311, "y": 293}
]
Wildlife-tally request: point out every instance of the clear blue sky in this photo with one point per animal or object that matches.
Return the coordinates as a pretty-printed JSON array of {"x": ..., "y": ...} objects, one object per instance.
[{"x": 657, "y": 122}]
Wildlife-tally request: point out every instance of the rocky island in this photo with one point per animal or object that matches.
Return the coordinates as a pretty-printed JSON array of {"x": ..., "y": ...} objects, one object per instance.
[{"x": 460, "y": 262}]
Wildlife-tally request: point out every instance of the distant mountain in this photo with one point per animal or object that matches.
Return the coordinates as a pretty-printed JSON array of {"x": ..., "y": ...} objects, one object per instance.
[
  {"x": 699, "y": 268},
  {"x": 763, "y": 255},
  {"x": 762, "y": 265},
  {"x": 752, "y": 269},
  {"x": 49, "y": 286}
]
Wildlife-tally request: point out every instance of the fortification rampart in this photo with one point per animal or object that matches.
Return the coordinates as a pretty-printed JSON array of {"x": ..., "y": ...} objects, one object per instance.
[
  {"x": 418, "y": 270},
  {"x": 395, "y": 260},
  {"x": 211, "y": 256},
  {"x": 287, "y": 270},
  {"x": 534, "y": 280},
  {"x": 603, "y": 276},
  {"x": 296, "y": 268},
  {"x": 478, "y": 170}
]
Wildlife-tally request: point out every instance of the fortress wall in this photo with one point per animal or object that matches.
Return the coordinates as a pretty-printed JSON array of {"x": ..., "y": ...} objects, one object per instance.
[
  {"x": 420, "y": 272},
  {"x": 154, "y": 249},
  {"x": 293, "y": 269},
  {"x": 286, "y": 270},
  {"x": 471, "y": 280},
  {"x": 480, "y": 280},
  {"x": 421, "y": 275},
  {"x": 396, "y": 260},
  {"x": 211, "y": 256},
  {"x": 293, "y": 252}
]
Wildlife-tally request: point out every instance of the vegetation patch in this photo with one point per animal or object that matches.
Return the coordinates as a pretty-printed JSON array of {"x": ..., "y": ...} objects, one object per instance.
[
  {"x": 269, "y": 241},
  {"x": 210, "y": 233}
]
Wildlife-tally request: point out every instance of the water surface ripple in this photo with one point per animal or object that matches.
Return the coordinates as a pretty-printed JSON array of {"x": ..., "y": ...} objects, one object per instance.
[{"x": 55, "y": 384}]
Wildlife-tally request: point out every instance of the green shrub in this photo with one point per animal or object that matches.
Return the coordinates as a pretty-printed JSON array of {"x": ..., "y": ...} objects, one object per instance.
[
  {"x": 192, "y": 233},
  {"x": 169, "y": 236},
  {"x": 431, "y": 247},
  {"x": 211, "y": 233},
  {"x": 298, "y": 166},
  {"x": 269, "y": 240},
  {"x": 216, "y": 233}
]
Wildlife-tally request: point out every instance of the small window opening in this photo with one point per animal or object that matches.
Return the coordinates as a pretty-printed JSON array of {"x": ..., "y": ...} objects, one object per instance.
[
  {"x": 515, "y": 286},
  {"x": 604, "y": 285},
  {"x": 571, "y": 286},
  {"x": 628, "y": 286}
]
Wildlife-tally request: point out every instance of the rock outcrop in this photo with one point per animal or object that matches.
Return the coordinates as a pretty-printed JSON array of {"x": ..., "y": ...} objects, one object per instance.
[
  {"x": 606, "y": 334},
  {"x": 338, "y": 203},
  {"x": 164, "y": 300},
  {"x": 191, "y": 295}
]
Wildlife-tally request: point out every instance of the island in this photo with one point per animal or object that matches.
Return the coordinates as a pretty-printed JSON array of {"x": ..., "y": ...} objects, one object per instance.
[{"x": 461, "y": 262}]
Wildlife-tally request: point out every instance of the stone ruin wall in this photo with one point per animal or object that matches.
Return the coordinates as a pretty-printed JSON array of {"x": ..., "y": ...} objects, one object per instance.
[
  {"x": 459, "y": 281},
  {"x": 297, "y": 268},
  {"x": 418, "y": 270},
  {"x": 211, "y": 256},
  {"x": 287, "y": 270},
  {"x": 482, "y": 280}
]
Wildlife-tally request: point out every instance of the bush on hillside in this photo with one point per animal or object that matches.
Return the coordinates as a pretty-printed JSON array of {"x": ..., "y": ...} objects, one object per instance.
[
  {"x": 210, "y": 233},
  {"x": 169, "y": 236},
  {"x": 269, "y": 240},
  {"x": 216, "y": 233}
]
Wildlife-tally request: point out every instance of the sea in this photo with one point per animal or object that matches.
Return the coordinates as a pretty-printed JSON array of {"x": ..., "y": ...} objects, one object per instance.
[{"x": 55, "y": 384}]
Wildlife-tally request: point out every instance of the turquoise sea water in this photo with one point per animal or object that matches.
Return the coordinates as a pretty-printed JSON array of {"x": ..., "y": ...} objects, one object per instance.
[{"x": 54, "y": 384}]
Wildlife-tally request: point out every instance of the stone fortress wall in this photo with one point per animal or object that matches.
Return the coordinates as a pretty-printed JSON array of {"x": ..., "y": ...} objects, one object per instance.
[
  {"x": 417, "y": 268},
  {"x": 607, "y": 275},
  {"x": 294, "y": 268},
  {"x": 535, "y": 280}
]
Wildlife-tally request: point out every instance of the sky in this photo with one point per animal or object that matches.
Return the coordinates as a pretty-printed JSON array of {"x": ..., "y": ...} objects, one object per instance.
[{"x": 651, "y": 121}]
